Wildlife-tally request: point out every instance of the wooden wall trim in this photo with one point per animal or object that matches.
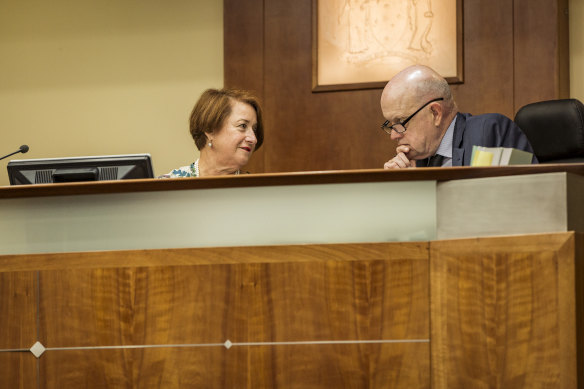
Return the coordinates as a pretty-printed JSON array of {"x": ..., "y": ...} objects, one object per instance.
[{"x": 215, "y": 255}]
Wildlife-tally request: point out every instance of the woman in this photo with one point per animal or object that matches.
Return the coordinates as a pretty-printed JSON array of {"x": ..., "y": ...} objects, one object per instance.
[{"x": 227, "y": 128}]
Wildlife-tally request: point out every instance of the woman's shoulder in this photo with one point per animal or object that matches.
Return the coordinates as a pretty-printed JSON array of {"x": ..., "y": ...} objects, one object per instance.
[{"x": 181, "y": 172}]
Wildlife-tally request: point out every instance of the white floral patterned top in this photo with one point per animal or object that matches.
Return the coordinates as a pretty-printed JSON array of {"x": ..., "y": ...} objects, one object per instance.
[{"x": 181, "y": 172}]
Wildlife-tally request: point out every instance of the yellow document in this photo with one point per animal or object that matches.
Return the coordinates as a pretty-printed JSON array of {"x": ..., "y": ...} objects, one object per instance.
[{"x": 482, "y": 158}]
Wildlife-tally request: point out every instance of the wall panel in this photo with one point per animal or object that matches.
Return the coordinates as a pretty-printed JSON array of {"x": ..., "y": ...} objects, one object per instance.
[{"x": 514, "y": 53}]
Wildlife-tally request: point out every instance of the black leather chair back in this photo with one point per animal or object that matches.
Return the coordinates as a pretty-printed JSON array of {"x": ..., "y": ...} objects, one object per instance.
[{"x": 555, "y": 129}]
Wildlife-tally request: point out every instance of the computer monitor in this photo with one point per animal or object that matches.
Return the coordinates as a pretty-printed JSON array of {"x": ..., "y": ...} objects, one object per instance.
[{"x": 75, "y": 169}]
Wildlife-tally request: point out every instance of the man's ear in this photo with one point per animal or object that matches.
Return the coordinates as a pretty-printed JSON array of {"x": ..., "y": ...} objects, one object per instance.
[{"x": 437, "y": 112}]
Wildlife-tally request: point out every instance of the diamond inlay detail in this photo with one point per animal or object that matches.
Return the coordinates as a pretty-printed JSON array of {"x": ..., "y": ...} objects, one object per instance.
[
  {"x": 37, "y": 349},
  {"x": 228, "y": 344}
]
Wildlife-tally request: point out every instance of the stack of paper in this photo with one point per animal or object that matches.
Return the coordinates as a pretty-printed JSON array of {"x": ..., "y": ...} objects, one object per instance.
[{"x": 499, "y": 156}]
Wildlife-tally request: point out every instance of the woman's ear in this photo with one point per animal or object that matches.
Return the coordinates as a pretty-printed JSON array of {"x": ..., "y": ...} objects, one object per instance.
[{"x": 209, "y": 136}]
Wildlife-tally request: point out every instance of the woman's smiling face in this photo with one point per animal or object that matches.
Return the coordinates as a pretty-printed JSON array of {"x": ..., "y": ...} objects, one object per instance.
[{"x": 235, "y": 141}]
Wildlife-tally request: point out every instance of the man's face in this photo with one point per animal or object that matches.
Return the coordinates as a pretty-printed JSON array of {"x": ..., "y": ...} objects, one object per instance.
[{"x": 421, "y": 136}]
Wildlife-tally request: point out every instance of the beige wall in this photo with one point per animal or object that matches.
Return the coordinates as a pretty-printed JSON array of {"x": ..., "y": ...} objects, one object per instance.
[
  {"x": 98, "y": 78},
  {"x": 106, "y": 77}
]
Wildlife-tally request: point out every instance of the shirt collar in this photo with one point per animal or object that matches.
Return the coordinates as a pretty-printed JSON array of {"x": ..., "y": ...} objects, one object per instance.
[{"x": 445, "y": 147}]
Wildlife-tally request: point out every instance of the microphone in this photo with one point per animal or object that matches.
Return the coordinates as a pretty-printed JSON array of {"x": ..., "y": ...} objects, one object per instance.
[{"x": 22, "y": 149}]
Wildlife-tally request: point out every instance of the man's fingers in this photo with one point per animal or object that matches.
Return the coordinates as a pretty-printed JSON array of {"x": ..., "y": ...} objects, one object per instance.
[
  {"x": 392, "y": 164},
  {"x": 396, "y": 163},
  {"x": 402, "y": 158},
  {"x": 400, "y": 161},
  {"x": 402, "y": 149}
]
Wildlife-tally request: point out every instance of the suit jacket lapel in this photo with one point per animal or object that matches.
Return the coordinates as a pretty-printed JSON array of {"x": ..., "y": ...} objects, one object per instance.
[{"x": 457, "y": 150}]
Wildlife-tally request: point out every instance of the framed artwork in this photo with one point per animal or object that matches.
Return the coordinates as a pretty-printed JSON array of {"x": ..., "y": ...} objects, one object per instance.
[{"x": 361, "y": 44}]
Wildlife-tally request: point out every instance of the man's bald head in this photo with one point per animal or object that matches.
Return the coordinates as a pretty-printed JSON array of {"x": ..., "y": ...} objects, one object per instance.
[{"x": 414, "y": 85}]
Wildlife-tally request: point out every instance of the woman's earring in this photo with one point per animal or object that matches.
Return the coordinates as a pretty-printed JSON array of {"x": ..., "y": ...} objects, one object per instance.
[{"x": 210, "y": 143}]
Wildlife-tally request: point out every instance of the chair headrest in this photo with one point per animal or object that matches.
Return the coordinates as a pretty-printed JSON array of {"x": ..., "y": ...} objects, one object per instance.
[{"x": 555, "y": 129}]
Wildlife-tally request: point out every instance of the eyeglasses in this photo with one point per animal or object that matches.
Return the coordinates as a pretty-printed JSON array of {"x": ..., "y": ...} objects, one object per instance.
[{"x": 400, "y": 127}]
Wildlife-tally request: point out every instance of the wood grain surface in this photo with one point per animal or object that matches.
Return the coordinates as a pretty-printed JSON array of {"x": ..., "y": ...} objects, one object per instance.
[
  {"x": 18, "y": 310},
  {"x": 18, "y": 329},
  {"x": 18, "y": 370},
  {"x": 179, "y": 306},
  {"x": 501, "y": 312},
  {"x": 322, "y": 366},
  {"x": 504, "y": 313},
  {"x": 548, "y": 43}
]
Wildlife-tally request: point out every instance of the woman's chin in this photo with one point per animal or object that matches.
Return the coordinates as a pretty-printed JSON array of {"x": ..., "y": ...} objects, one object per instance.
[{"x": 243, "y": 160}]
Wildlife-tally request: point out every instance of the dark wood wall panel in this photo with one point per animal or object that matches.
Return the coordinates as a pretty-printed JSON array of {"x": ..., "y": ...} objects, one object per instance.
[
  {"x": 504, "y": 44},
  {"x": 244, "y": 60},
  {"x": 488, "y": 58},
  {"x": 541, "y": 51},
  {"x": 309, "y": 131}
]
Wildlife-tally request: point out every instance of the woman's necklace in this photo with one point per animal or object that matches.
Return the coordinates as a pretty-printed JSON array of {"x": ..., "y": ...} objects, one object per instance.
[{"x": 196, "y": 168}]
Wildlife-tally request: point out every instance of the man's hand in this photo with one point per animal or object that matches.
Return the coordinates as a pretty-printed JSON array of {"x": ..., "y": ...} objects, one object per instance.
[{"x": 400, "y": 161}]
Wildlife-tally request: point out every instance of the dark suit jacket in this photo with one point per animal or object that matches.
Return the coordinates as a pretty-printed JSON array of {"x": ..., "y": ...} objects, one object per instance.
[{"x": 488, "y": 130}]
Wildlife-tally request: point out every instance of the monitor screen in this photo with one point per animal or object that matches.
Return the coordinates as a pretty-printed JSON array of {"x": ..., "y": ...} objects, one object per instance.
[{"x": 74, "y": 169}]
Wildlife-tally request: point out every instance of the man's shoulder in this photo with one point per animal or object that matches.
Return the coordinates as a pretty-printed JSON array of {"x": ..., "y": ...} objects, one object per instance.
[{"x": 486, "y": 117}]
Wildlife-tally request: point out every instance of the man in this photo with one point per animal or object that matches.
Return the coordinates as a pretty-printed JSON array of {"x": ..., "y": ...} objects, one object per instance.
[{"x": 424, "y": 119}]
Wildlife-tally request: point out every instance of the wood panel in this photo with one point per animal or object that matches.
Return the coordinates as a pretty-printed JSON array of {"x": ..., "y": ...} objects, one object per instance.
[
  {"x": 216, "y": 255},
  {"x": 245, "y": 67},
  {"x": 503, "y": 312},
  {"x": 18, "y": 370},
  {"x": 505, "y": 53},
  {"x": 488, "y": 58},
  {"x": 305, "y": 130},
  {"x": 18, "y": 315},
  {"x": 307, "y": 366},
  {"x": 18, "y": 329},
  {"x": 540, "y": 51},
  {"x": 327, "y": 294}
]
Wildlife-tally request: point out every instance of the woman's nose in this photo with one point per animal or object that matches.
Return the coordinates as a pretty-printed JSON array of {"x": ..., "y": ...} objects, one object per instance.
[{"x": 251, "y": 137}]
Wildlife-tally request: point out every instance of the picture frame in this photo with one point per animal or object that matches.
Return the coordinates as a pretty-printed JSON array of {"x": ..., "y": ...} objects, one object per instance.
[{"x": 361, "y": 44}]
